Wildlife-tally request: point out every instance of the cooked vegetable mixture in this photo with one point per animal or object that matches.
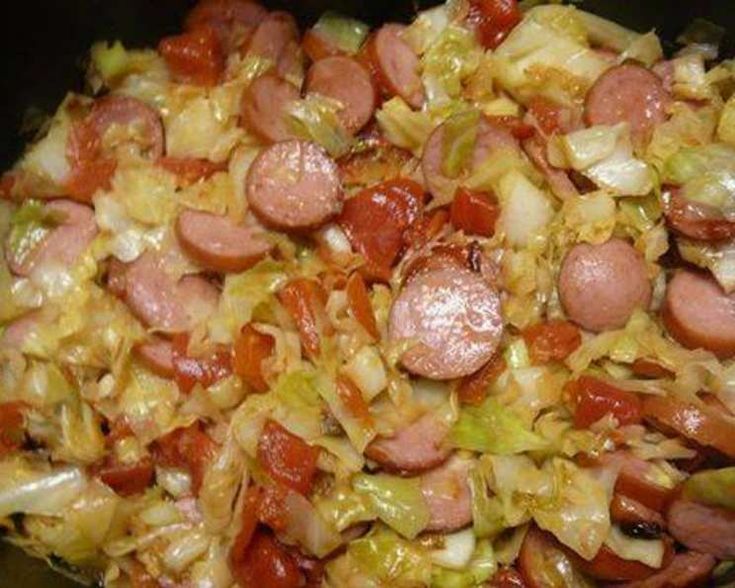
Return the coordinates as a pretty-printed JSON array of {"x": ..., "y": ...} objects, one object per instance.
[{"x": 447, "y": 304}]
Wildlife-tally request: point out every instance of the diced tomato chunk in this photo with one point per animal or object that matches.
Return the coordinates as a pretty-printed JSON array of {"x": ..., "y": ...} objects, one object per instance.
[
  {"x": 507, "y": 578},
  {"x": 474, "y": 213},
  {"x": 548, "y": 115},
  {"x": 352, "y": 398},
  {"x": 190, "y": 170},
  {"x": 250, "y": 349},
  {"x": 554, "y": 340},
  {"x": 360, "y": 306},
  {"x": 195, "y": 57},
  {"x": 139, "y": 577},
  {"x": 189, "y": 371},
  {"x": 267, "y": 564},
  {"x": 425, "y": 228},
  {"x": 189, "y": 448},
  {"x": 127, "y": 479},
  {"x": 493, "y": 20},
  {"x": 473, "y": 389},
  {"x": 594, "y": 399},
  {"x": 305, "y": 302},
  {"x": 519, "y": 129},
  {"x": 248, "y": 525},
  {"x": 90, "y": 170},
  {"x": 287, "y": 458},
  {"x": 12, "y": 426},
  {"x": 376, "y": 218}
]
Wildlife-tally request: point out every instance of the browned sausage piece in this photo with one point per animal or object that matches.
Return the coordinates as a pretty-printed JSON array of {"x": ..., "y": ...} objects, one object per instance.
[
  {"x": 453, "y": 319},
  {"x": 348, "y": 82},
  {"x": 397, "y": 64},
  {"x": 263, "y": 107},
  {"x": 273, "y": 36},
  {"x": 628, "y": 93},
  {"x": 557, "y": 179},
  {"x": 686, "y": 570},
  {"x": 157, "y": 356},
  {"x": 697, "y": 220},
  {"x": 601, "y": 285},
  {"x": 64, "y": 243},
  {"x": 416, "y": 448},
  {"x": 294, "y": 186},
  {"x": 218, "y": 244},
  {"x": 448, "y": 496},
  {"x": 698, "y": 313},
  {"x": 631, "y": 514},
  {"x": 161, "y": 302},
  {"x": 490, "y": 137},
  {"x": 703, "y": 528}
]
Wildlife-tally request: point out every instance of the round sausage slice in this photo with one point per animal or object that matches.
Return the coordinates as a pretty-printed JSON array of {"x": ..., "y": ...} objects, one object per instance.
[
  {"x": 273, "y": 36},
  {"x": 348, "y": 82},
  {"x": 64, "y": 243},
  {"x": 490, "y": 138},
  {"x": 161, "y": 302},
  {"x": 263, "y": 107},
  {"x": 396, "y": 64},
  {"x": 628, "y": 93},
  {"x": 17, "y": 332},
  {"x": 294, "y": 186},
  {"x": 697, "y": 220},
  {"x": 218, "y": 244},
  {"x": 686, "y": 570},
  {"x": 703, "y": 528},
  {"x": 448, "y": 496},
  {"x": 157, "y": 356},
  {"x": 452, "y": 318},
  {"x": 601, "y": 285},
  {"x": 416, "y": 448},
  {"x": 698, "y": 313}
]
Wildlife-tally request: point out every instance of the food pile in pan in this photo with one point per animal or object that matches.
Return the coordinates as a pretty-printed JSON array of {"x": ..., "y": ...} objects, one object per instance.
[{"x": 448, "y": 303}]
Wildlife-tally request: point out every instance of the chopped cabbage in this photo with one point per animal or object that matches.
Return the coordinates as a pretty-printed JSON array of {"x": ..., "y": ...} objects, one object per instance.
[
  {"x": 35, "y": 488},
  {"x": 398, "y": 502},
  {"x": 29, "y": 225},
  {"x": 315, "y": 118},
  {"x": 526, "y": 210},
  {"x": 480, "y": 568},
  {"x": 345, "y": 33},
  {"x": 649, "y": 552},
  {"x": 690, "y": 78},
  {"x": 453, "y": 56},
  {"x": 645, "y": 49},
  {"x": 535, "y": 55},
  {"x": 713, "y": 487},
  {"x": 493, "y": 428},
  {"x": 456, "y": 550},
  {"x": 726, "y": 126},
  {"x": 367, "y": 371},
  {"x": 426, "y": 28},
  {"x": 687, "y": 127},
  {"x": 404, "y": 127},
  {"x": 606, "y": 33},
  {"x": 591, "y": 216},
  {"x": 242, "y": 295},
  {"x": 460, "y": 135},
  {"x": 718, "y": 258},
  {"x": 359, "y": 430},
  {"x": 81, "y": 435},
  {"x": 109, "y": 61},
  {"x": 221, "y": 484}
]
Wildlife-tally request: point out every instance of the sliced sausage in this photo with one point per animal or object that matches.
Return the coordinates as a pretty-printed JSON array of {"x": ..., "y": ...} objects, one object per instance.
[
  {"x": 218, "y": 244},
  {"x": 126, "y": 111},
  {"x": 161, "y": 302},
  {"x": 490, "y": 138},
  {"x": 273, "y": 36},
  {"x": 697, "y": 220},
  {"x": 64, "y": 243},
  {"x": 703, "y": 528},
  {"x": 348, "y": 82},
  {"x": 453, "y": 319},
  {"x": 448, "y": 496},
  {"x": 705, "y": 425},
  {"x": 415, "y": 448},
  {"x": 628, "y": 93},
  {"x": 396, "y": 65},
  {"x": 601, "y": 285},
  {"x": 294, "y": 185},
  {"x": 635, "y": 518},
  {"x": 264, "y": 105},
  {"x": 544, "y": 563},
  {"x": 686, "y": 570},
  {"x": 698, "y": 313},
  {"x": 233, "y": 20},
  {"x": 157, "y": 356}
]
